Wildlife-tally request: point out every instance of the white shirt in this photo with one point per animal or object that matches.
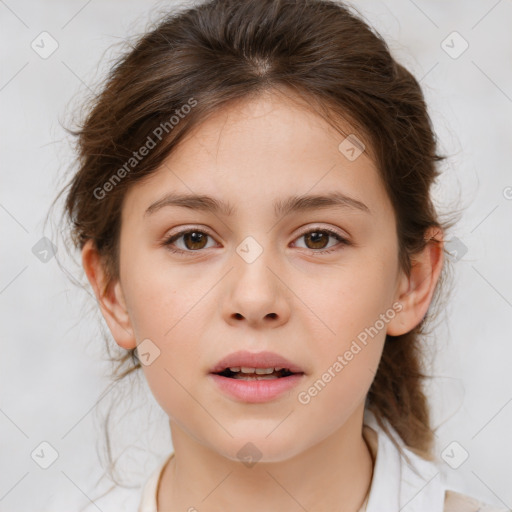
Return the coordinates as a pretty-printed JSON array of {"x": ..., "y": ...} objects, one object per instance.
[{"x": 396, "y": 485}]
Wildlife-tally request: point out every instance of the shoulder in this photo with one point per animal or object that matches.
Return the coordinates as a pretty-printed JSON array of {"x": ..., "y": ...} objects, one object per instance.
[
  {"x": 405, "y": 480},
  {"x": 458, "y": 502}
]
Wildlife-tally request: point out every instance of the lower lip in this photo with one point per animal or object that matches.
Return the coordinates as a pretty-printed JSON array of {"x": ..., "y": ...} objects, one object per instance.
[{"x": 256, "y": 391}]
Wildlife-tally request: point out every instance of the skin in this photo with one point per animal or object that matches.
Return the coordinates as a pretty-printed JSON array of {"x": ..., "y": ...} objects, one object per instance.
[{"x": 200, "y": 306}]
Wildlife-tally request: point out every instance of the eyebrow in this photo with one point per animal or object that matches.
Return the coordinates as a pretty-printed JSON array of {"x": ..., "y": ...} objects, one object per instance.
[{"x": 281, "y": 207}]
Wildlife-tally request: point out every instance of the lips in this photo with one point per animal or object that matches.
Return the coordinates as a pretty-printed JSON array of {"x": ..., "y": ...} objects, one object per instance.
[
  {"x": 260, "y": 360},
  {"x": 248, "y": 383}
]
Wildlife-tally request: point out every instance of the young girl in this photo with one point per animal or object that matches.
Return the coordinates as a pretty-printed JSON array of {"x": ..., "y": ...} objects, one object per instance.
[{"x": 254, "y": 216}]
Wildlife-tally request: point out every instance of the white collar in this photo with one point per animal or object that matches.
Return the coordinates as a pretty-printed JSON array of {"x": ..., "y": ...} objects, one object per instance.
[{"x": 395, "y": 485}]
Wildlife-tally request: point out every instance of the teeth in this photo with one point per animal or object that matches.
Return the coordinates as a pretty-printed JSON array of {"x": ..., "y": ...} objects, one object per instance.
[
  {"x": 264, "y": 371},
  {"x": 240, "y": 376},
  {"x": 258, "y": 371}
]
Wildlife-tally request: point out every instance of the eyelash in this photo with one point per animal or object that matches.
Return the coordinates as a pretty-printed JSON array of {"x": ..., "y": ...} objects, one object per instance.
[{"x": 342, "y": 241}]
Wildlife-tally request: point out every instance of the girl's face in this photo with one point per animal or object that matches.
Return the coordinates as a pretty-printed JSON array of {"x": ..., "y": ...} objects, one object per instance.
[{"x": 256, "y": 279}]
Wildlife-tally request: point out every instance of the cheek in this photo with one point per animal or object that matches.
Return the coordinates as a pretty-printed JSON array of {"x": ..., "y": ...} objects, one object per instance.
[
  {"x": 344, "y": 371},
  {"x": 348, "y": 300},
  {"x": 165, "y": 312},
  {"x": 159, "y": 297},
  {"x": 351, "y": 312},
  {"x": 168, "y": 380}
]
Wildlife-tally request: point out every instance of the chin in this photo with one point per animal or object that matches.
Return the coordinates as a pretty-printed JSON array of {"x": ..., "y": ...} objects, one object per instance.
[{"x": 260, "y": 449}]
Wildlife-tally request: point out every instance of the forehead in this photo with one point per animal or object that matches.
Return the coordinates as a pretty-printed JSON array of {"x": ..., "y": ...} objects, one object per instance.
[
  {"x": 267, "y": 147},
  {"x": 274, "y": 119}
]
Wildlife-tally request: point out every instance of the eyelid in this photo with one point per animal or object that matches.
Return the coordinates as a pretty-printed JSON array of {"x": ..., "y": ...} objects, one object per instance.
[
  {"x": 318, "y": 227},
  {"x": 182, "y": 230}
]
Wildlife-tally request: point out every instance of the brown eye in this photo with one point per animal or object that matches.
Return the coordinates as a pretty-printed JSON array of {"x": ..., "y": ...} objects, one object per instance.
[
  {"x": 192, "y": 240},
  {"x": 317, "y": 239}
]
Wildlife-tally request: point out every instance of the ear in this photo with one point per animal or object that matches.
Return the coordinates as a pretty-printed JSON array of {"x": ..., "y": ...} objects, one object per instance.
[
  {"x": 111, "y": 302},
  {"x": 415, "y": 292}
]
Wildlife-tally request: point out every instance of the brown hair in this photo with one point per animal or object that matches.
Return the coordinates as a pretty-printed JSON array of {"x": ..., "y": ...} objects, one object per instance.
[{"x": 222, "y": 51}]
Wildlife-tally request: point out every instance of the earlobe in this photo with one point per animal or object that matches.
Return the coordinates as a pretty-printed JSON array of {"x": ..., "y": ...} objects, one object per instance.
[
  {"x": 415, "y": 291},
  {"x": 109, "y": 296}
]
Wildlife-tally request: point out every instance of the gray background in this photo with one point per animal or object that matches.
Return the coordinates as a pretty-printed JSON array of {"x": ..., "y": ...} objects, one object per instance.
[{"x": 52, "y": 376}]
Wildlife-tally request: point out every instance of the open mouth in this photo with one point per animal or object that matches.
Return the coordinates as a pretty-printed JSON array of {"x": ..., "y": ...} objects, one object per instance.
[
  {"x": 248, "y": 384},
  {"x": 256, "y": 373}
]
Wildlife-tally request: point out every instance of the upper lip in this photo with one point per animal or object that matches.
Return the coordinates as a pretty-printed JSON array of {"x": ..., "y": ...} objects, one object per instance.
[{"x": 255, "y": 360}]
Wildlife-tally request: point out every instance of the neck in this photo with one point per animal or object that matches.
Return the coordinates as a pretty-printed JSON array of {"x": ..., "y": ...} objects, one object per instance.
[{"x": 334, "y": 474}]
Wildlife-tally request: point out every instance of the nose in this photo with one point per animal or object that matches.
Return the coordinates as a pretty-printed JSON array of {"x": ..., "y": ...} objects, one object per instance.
[{"x": 256, "y": 294}]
